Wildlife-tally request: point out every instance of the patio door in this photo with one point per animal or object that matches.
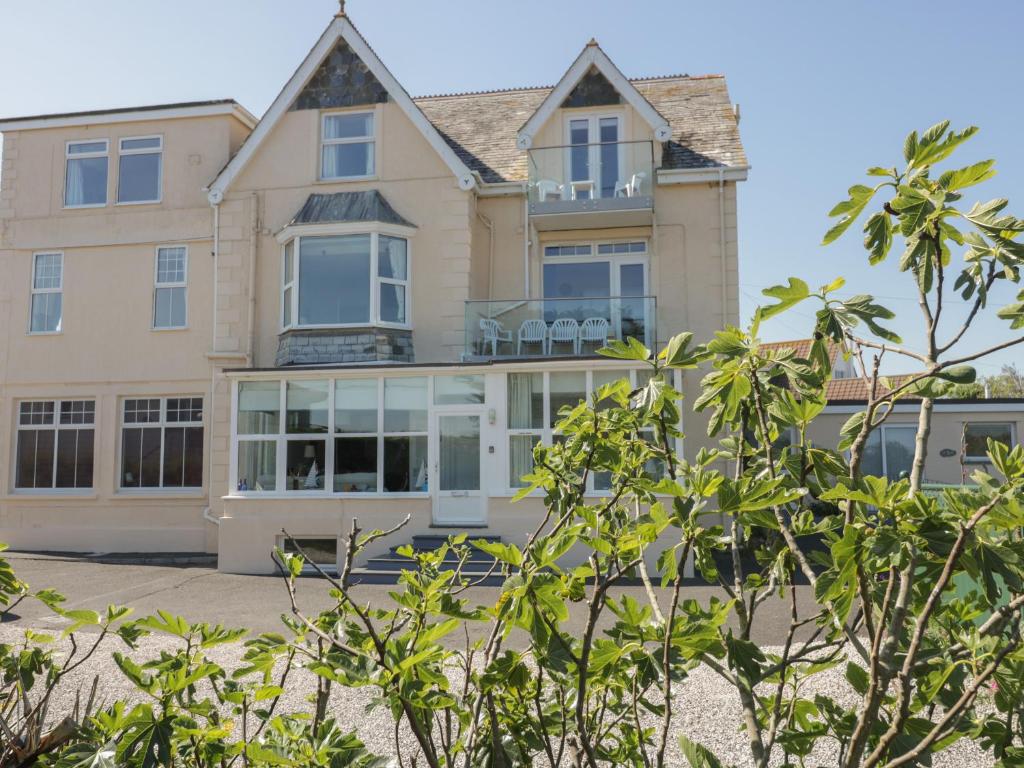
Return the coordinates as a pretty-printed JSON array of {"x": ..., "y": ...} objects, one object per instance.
[
  {"x": 458, "y": 454},
  {"x": 631, "y": 308},
  {"x": 593, "y": 157}
]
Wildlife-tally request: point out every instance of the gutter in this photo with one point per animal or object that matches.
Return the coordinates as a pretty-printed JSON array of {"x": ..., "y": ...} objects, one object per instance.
[{"x": 703, "y": 175}]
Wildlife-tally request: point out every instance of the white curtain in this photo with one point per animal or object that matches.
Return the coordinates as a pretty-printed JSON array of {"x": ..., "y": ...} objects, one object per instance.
[{"x": 75, "y": 187}]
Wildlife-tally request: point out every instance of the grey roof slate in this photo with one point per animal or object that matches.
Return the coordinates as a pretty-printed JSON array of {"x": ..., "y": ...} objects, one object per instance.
[
  {"x": 368, "y": 205},
  {"x": 482, "y": 127}
]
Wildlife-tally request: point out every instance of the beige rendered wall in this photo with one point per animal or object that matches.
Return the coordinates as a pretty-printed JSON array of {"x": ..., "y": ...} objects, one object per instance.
[
  {"x": 107, "y": 349},
  {"x": 946, "y": 433}
]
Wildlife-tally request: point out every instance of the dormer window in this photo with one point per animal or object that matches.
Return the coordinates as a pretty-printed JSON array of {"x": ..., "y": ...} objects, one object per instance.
[{"x": 347, "y": 146}]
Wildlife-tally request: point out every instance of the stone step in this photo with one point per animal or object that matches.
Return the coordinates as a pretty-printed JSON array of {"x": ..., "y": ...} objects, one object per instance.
[
  {"x": 373, "y": 576},
  {"x": 387, "y": 563}
]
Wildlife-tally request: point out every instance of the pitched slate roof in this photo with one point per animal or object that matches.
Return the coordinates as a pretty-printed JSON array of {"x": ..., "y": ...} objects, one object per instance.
[
  {"x": 481, "y": 127},
  {"x": 369, "y": 205}
]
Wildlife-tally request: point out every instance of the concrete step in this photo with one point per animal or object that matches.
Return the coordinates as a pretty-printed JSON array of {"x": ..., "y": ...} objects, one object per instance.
[
  {"x": 375, "y": 576},
  {"x": 428, "y": 542},
  {"x": 387, "y": 563}
]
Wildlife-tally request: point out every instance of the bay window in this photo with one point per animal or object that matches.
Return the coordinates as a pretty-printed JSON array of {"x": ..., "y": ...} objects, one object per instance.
[
  {"x": 162, "y": 443},
  {"x": 345, "y": 280},
  {"x": 55, "y": 444}
]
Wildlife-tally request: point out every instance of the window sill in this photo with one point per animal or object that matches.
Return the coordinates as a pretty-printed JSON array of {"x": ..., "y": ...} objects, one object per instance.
[
  {"x": 119, "y": 203},
  {"x": 157, "y": 493},
  {"x": 84, "y": 207},
  {"x": 44, "y": 333},
  {"x": 51, "y": 494},
  {"x": 347, "y": 179},
  {"x": 170, "y": 328},
  {"x": 293, "y": 495}
]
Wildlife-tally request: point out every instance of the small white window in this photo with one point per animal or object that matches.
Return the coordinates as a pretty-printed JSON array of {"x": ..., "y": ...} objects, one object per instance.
[
  {"x": 85, "y": 175},
  {"x": 47, "y": 293},
  {"x": 393, "y": 273},
  {"x": 347, "y": 146},
  {"x": 139, "y": 170},
  {"x": 170, "y": 299}
]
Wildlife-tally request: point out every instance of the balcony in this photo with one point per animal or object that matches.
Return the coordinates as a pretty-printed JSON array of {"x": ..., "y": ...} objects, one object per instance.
[
  {"x": 592, "y": 185},
  {"x": 560, "y": 327}
]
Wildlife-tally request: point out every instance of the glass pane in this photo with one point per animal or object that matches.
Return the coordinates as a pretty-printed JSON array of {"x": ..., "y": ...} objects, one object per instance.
[
  {"x": 520, "y": 458},
  {"x": 140, "y": 457},
  {"x": 48, "y": 269},
  {"x": 405, "y": 464},
  {"x": 84, "y": 147},
  {"x": 459, "y": 447},
  {"x": 871, "y": 460},
  {"x": 355, "y": 464},
  {"x": 35, "y": 459},
  {"x": 348, "y": 126},
  {"x": 392, "y": 303},
  {"x": 405, "y": 404},
  {"x": 568, "y": 388},
  {"x": 138, "y": 178},
  {"x": 193, "y": 473},
  {"x": 259, "y": 405},
  {"x": 977, "y": 436},
  {"x": 289, "y": 261},
  {"x": 342, "y": 161},
  {"x": 306, "y": 465},
  {"x": 46, "y": 312},
  {"x": 286, "y": 320},
  {"x": 174, "y": 457},
  {"x": 899, "y": 451},
  {"x": 307, "y": 407},
  {"x": 609, "y": 130},
  {"x": 577, "y": 281},
  {"x": 77, "y": 412},
  {"x": 136, "y": 144},
  {"x": 458, "y": 390},
  {"x": 579, "y": 156},
  {"x": 392, "y": 261},
  {"x": 323, "y": 552},
  {"x": 334, "y": 280},
  {"x": 170, "y": 308},
  {"x": 86, "y": 181},
  {"x": 525, "y": 400},
  {"x": 170, "y": 265},
  {"x": 257, "y": 465},
  {"x": 74, "y": 458},
  {"x": 355, "y": 405},
  {"x": 182, "y": 409},
  {"x": 145, "y": 411},
  {"x": 36, "y": 412}
]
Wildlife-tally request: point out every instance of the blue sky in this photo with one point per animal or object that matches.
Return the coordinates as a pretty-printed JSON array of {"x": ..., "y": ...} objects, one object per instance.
[{"x": 825, "y": 89}]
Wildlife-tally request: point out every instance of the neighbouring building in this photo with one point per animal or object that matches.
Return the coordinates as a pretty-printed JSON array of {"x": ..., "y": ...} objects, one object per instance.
[
  {"x": 363, "y": 305},
  {"x": 960, "y": 430}
]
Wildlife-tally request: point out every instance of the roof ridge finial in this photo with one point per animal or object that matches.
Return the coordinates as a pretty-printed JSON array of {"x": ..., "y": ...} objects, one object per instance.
[
  {"x": 341, "y": 8},
  {"x": 592, "y": 43}
]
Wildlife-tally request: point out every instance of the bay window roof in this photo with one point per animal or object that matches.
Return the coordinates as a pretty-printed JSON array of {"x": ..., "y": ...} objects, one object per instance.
[{"x": 348, "y": 207}]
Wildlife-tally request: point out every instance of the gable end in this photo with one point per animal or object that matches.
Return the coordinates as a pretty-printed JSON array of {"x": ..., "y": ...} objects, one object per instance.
[
  {"x": 593, "y": 90},
  {"x": 343, "y": 80}
]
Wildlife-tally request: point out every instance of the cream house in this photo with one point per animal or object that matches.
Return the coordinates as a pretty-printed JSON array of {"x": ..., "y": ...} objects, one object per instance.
[{"x": 363, "y": 305}]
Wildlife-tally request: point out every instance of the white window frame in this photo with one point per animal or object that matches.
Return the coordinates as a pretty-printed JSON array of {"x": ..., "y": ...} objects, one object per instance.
[
  {"x": 38, "y": 291},
  {"x": 282, "y": 437},
  {"x": 56, "y": 426},
  {"x": 615, "y": 262},
  {"x": 162, "y": 424},
  {"x": 157, "y": 285},
  {"x": 159, "y": 151},
  {"x": 984, "y": 458},
  {"x": 374, "y": 319},
  {"x": 68, "y": 156},
  {"x": 593, "y": 149},
  {"x": 370, "y": 139},
  {"x": 547, "y": 432}
]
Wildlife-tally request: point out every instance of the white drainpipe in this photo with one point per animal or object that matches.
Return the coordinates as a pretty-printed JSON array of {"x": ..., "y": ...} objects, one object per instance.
[
  {"x": 215, "y": 201},
  {"x": 526, "y": 246}
]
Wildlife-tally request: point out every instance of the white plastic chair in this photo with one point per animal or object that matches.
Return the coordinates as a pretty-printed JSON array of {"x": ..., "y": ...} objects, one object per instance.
[
  {"x": 594, "y": 329},
  {"x": 565, "y": 330},
  {"x": 494, "y": 334},
  {"x": 631, "y": 188},
  {"x": 532, "y": 332},
  {"x": 547, "y": 188}
]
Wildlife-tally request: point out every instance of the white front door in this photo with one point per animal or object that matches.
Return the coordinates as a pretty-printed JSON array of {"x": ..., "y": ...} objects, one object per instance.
[{"x": 458, "y": 454}]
